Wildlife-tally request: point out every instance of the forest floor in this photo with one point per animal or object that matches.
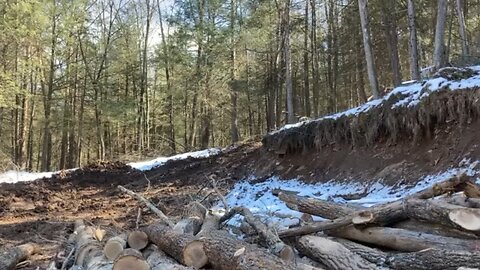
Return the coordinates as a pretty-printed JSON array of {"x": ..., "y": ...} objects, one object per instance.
[{"x": 42, "y": 211}]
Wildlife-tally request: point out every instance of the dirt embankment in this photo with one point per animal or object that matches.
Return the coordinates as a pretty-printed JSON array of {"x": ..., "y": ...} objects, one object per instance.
[{"x": 42, "y": 211}]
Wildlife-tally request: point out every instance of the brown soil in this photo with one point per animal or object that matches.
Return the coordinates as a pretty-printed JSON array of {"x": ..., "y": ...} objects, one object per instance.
[{"x": 42, "y": 211}]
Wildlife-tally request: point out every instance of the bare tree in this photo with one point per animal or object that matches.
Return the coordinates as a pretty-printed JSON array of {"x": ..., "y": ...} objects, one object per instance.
[
  {"x": 462, "y": 27},
  {"x": 439, "y": 56},
  {"x": 367, "y": 44},
  {"x": 412, "y": 42}
]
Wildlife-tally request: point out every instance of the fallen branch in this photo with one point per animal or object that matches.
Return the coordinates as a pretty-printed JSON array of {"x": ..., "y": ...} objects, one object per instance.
[
  {"x": 276, "y": 246},
  {"x": 152, "y": 207}
]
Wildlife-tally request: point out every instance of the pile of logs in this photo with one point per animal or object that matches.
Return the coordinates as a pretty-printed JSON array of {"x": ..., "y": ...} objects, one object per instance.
[{"x": 436, "y": 228}]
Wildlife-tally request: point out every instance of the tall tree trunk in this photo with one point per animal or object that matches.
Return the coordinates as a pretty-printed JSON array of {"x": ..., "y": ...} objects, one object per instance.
[
  {"x": 288, "y": 64},
  {"x": 47, "y": 98},
  {"x": 412, "y": 42},
  {"x": 313, "y": 48},
  {"x": 372, "y": 73},
  {"x": 439, "y": 57},
  {"x": 391, "y": 36},
  {"x": 306, "y": 65},
  {"x": 462, "y": 27},
  {"x": 166, "y": 52},
  {"x": 234, "y": 93}
]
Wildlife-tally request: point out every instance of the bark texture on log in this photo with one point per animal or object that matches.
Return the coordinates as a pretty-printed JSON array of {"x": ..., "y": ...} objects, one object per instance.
[
  {"x": 432, "y": 228},
  {"x": 404, "y": 240},
  {"x": 158, "y": 260},
  {"x": 192, "y": 220},
  {"x": 228, "y": 253},
  {"x": 10, "y": 257},
  {"x": 462, "y": 200},
  {"x": 372, "y": 255},
  {"x": 88, "y": 251},
  {"x": 321, "y": 208},
  {"x": 185, "y": 248},
  {"x": 434, "y": 259},
  {"x": 332, "y": 254},
  {"x": 446, "y": 214}
]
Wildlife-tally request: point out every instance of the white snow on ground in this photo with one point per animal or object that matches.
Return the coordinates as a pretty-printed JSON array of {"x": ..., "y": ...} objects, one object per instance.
[
  {"x": 259, "y": 199},
  {"x": 411, "y": 93},
  {"x": 21, "y": 176},
  {"x": 149, "y": 164}
]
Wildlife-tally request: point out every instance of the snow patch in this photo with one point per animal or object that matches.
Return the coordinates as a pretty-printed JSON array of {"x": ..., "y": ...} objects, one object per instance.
[
  {"x": 20, "y": 176},
  {"x": 149, "y": 164}
]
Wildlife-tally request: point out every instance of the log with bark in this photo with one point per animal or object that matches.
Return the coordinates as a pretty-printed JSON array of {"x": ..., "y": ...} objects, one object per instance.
[
  {"x": 332, "y": 254},
  {"x": 184, "y": 248},
  {"x": 433, "y": 228},
  {"x": 158, "y": 260},
  {"x": 435, "y": 259},
  {"x": 462, "y": 200},
  {"x": 10, "y": 257},
  {"x": 192, "y": 219},
  {"x": 130, "y": 259},
  {"x": 403, "y": 240},
  {"x": 437, "y": 211},
  {"x": 228, "y": 253},
  {"x": 137, "y": 240},
  {"x": 321, "y": 208},
  {"x": 372, "y": 255},
  {"x": 88, "y": 250}
]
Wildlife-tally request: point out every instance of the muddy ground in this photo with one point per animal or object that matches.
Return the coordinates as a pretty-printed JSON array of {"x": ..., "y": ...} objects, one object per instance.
[{"x": 42, "y": 211}]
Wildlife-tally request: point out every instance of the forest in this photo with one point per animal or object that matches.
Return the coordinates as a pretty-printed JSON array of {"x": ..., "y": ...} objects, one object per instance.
[{"x": 129, "y": 79}]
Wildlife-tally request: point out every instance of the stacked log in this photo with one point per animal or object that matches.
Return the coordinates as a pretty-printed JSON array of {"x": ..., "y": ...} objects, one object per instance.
[
  {"x": 430, "y": 229},
  {"x": 436, "y": 228}
]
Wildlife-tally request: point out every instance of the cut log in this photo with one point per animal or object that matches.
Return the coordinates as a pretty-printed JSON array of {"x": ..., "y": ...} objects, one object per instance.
[
  {"x": 275, "y": 245},
  {"x": 131, "y": 259},
  {"x": 137, "y": 240},
  {"x": 404, "y": 240},
  {"x": 454, "y": 184},
  {"x": 210, "y": 223},
  {"x": 433, "y": 228},
  {"x": 321, "y": 208},
  {"x": 185, "y": 248},
  {"x": 10, "y": 257},
  {"x": 158, "y": 260},
  {"x": 380, "y": 215},
  {"x": 332, "y": 254},
  {"x": 88, "y": 251},
  {"x": 228, "y": 253},
  {"x": 436, "y": 211},
  {"x": 471, "y": 190},
  {"x": 343, "y": 216},
  {"x": 152, "y": 207},
  {"x": 192, "y": 220},
  {"x": 462, "y": 200},
  {"x": 372, "y": 255},
  {"x": 434, "y": 259},
  {"x": 114, "y": 247}
]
